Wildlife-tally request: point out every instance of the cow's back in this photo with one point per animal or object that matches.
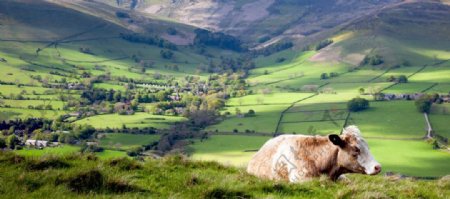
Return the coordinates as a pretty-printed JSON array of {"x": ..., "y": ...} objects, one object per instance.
[{"x": 261, "y": 163}]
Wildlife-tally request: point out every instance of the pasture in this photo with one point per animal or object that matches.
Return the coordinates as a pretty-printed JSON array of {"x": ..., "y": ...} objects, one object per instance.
[
  {"x": 393, "y": 119},
  {"x": 413, "y": 158},
  {"x": 264, "y": 121},
  {"x": 49, "y": 151},
  {"x": 124, "y": 141},
  {"x": 139, "y": 119},
  {"x": 228, "y": 149}
]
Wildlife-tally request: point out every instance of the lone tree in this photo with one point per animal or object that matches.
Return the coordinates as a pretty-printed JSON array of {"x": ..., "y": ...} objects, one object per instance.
[
  {"x": 423, "y": 104},
  {"x": 402, "y": 79},
  {"x": 357, "y": 104}
]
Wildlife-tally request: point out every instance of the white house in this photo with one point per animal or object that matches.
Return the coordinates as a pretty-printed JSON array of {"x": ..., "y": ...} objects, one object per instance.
[{"x": 37, "y": 143}]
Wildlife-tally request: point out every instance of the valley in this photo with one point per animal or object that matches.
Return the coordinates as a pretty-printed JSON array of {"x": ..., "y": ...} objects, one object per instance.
[{"x": 203, "y": 85}]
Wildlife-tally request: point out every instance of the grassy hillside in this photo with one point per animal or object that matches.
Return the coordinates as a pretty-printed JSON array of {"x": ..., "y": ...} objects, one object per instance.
[{"x": 77, "y": 176}]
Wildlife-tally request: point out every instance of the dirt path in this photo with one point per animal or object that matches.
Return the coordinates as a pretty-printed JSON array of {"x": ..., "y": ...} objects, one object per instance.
[{"x": 429, "y": 128}]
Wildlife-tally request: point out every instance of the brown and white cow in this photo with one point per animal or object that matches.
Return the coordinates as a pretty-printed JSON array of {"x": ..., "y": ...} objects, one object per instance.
[{"x": 297, "y": 158}]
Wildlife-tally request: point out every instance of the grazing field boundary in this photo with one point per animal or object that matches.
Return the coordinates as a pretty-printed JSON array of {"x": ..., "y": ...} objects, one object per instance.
[
  {"x": 312, "y": 111},
  {"x": 432, "y": 86},
  {"x": 380, "y": 75},
  {"x": 306, "y": 121},
  {"x": 284, "y": 111}
]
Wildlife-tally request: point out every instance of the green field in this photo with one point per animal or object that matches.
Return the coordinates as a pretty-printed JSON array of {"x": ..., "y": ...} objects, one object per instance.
[
  {"x": 137, "y": 120},
  {"x": 387, "y": 119},
  {"x": 126, "y": 141},
  {"x": 228, "y": 149},
  {"x": 265, "y": 120},
  {"x": 13, "y": 113},
  {"x": 49, "y": 151},
  {"x": 414, "y": 158}
]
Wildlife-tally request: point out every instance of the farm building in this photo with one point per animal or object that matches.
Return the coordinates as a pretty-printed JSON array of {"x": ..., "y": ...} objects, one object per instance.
[{"x": 38, "y": 143}]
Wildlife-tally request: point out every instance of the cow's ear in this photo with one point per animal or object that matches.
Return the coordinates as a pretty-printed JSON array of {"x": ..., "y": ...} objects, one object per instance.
[{"x": 336, "y": 140}]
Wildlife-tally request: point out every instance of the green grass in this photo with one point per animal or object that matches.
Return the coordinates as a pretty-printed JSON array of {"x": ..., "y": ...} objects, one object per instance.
[
  {"x": 175, "y": 177},
  {"x": 60, "y": 150},
  {"x": 433, "y": 74},
  {"x": 393, "y": 119},
  {"x": 109, "y": 86},
  {"x": 265, "y": 120},
  {"x": 125, "y": 141},
  {"x": 228, "y": 149},
  {"x": 408, "y": 88},
  {"x": 413, "y": 158},
  {"x": 13, "y": 113},
  {"x": 439, "y": 117},
  {"x": 137, "y": 120},
  {"x": 111, "y": 154},
  {"x": 25, "y": 103},
  {"x": 312, "y": 128},
  {"x": 273, "y": 98}
]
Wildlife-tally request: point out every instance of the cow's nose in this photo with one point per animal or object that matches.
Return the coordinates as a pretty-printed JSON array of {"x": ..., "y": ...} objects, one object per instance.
[{"x": 377, "y": 169}]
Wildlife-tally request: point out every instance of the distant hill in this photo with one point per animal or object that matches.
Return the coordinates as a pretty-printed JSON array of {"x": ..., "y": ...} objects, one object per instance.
[{"x": 408, "y": 33}]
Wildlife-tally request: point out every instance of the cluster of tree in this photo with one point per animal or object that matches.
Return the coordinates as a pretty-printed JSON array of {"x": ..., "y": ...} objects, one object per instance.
[
  {"x": 122, "y": 14},
  {"x": 150, "y": 40},
  {"x": 229, "y": 65},
  {"x": 95, "y": 95},
  {"x": 424, "y": 103},
  {"x": 86, "y": 51},
  {"x": 168, "y": 108},
  {"x": 41, "y": 107},
  {"x": 329, "y": 75},
  {"x": 28, "y": 125},
  {"x": 263, "y": 39},
  {"x": 399, "y": 79},
  {"x": 357, "y": 104},
  {"x": 166, "y": 54},
  {"x": 171, "y": 31},
  {"x": 323, "y": 44},
  {"x": 373, "y": 60},
  {"x": 217, "y": 39},
  {"x": 85, "y": 148},
  {"x": 274, "y": 48}
]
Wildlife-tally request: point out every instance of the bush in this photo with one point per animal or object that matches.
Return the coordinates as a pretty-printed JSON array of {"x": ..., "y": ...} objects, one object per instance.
[
  {"x": 402, "y": 79},
  {"x": 125, "y": 164},
  {"x": 373, "y": 60},
  {"x": 220, "y": 193},
  {"x": 423, "y": 104},
  {"x": 357, "y": 104},
  {"x": 91, "y": 149},
  {"x": 323, "y": 44},
  {"x": 46, "y": 163},
  {"x": 85, "y": 182},
  {"x": 2, "y": 143}
]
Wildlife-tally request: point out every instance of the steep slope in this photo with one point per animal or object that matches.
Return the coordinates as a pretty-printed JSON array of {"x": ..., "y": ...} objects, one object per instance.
[
  {"x": 411, "y": 32},
  {"x": 256, "y": 19}
]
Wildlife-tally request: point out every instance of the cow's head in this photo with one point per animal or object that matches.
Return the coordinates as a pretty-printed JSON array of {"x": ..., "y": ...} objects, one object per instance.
[{"x": 354, "y": 154}]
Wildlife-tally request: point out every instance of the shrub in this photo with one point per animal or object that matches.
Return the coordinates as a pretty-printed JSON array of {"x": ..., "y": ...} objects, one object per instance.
[
  {"x": 423, "y": 104},
  {"x": 373, "y": 60},
  {"x": 2, "y": 143},
  {"x": 88, "y": 181},
  {"x": 357, "y": 104},
  {"x": 323, "y": 44},
  {"x": 224, "y": 193},
  {"x": 46, "y": 163},
  {"x": 125, "y": 164},
  {"x": 402, "y": 79}
]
